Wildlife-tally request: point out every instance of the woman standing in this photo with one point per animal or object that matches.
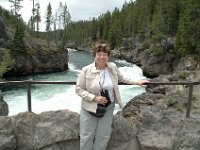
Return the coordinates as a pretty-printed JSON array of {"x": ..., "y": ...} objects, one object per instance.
[{"x": 97, "y": 84}]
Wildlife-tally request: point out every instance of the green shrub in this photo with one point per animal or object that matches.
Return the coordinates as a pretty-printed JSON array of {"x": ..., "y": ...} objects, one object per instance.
[{"x": 184, "y": 75}]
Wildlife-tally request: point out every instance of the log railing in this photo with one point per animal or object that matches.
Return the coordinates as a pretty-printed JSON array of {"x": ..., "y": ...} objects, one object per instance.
[{"x": 29, "y": 83}]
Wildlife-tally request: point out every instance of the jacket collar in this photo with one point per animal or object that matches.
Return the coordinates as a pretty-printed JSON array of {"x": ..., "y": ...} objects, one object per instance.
[{"x": 94, "y": 69}]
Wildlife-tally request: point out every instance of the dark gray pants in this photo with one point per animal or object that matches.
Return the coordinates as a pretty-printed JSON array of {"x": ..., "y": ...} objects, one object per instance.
[{"x": 95, "y": 132}]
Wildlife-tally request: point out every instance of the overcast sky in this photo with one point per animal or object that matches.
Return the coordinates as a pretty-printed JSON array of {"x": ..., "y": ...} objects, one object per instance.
[{"x": 79, "y": 9}]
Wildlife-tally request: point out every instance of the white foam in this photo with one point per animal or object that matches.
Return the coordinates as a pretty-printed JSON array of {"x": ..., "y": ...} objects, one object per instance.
[
  {"x": 71, "y": 50},
  {"x": 124, "y": 62},
  {"x": 133, "y": 73},
  {"x": 63, "y": 100},
  {"x": 73, "y": 68}
]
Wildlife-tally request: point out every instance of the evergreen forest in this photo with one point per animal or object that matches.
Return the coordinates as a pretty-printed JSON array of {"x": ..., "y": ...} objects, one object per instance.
[{"x": 156, "y": 18}]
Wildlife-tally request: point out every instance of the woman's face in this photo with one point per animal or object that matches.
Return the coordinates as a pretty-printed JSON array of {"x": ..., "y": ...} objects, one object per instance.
[{"x": 101, "y": 59}]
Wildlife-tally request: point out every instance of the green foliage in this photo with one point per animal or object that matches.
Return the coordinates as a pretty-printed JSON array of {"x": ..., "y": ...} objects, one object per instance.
[
  {"x": 152, "y": 17},
  {"x": 157, "y": 51},
  {"x": 112, "y": 40},
  {"x": 49, "y": 21},
  {"x": 8, "y": 18},
  {"x": 6, "y": 61},
  {"x": 145, "y": 45},
  {"x": 165, "y": 17},
  {"x": 18, "y": 43},
  {"x": 16, "y": 6},
  {"x": 156, "y": 48},
  {"x": 184, "y": 75},
  {"x": 105, "y": 22},
  {"x": 157, "y": 38},
  {"x": 49, "y": 17},
  {"x": 144, "y": 11},
  {"x": 66, "y": 18},
  {"x": 37, "y": 17},
  {"x": 188, "y": 35}
]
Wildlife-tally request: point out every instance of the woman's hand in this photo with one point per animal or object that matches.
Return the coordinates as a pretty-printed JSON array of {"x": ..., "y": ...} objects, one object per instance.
[
  {"x": 142, "y": 82},
  {"x": 100, "y": 100}
]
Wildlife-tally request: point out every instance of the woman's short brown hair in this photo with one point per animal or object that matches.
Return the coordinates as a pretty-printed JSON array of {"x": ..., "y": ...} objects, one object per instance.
[{"x": 101, "y": 47}]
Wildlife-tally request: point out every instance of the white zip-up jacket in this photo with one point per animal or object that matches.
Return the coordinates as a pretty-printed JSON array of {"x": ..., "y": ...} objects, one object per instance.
[{"x": 87, "y": 85}]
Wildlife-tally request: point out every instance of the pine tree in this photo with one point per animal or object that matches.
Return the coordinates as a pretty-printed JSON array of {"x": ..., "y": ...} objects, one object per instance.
[
  {"x": 16, "y": 6},
  {"x": 37, "y": 18},
  {"x": 33, "y": 16},
  {"x": 49, "y": 21},
  {"x": 115, "y": 34},
  {"x": 94, "y": 26},
  {"x": 188, "y": 35},
  {"x": 66, "y": 18},
  {"x": 106, "y": 25},
  {"x": 19, "y": 44},
  {"x": 165, "y": 18}
]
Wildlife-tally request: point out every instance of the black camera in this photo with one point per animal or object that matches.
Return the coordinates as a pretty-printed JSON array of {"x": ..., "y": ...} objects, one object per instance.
[
  {"x": 105, "y": 94},
  {"x": 101, "y": 109}
]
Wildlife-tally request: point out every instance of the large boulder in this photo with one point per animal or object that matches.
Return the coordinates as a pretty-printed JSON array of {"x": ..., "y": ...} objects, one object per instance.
[
  {"x": 57, "y": 130},
  {"x": 123, "y": 136}
]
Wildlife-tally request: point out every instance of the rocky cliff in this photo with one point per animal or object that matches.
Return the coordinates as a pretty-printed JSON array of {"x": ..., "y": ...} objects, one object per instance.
[
  {"x": 37, "y": 58},
  {"x": 39, "y": 61},
  {"x": 141, "y": 51}
]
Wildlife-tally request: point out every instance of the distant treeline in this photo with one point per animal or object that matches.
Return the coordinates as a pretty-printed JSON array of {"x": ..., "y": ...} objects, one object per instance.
[{"x": 155, "y": 18}]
